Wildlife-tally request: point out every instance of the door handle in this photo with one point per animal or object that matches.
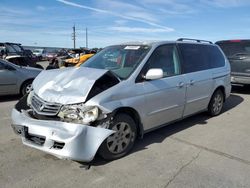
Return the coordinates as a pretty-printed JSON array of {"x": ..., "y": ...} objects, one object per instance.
[
  {"x": 191, "y": 82},
  {"x": 180, "y": 85}
]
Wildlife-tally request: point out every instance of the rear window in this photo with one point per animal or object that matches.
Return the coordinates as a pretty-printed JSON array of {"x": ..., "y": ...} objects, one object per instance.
[
  {"x": 200, "y": 57},
  {"x": 233, "y": 48}
]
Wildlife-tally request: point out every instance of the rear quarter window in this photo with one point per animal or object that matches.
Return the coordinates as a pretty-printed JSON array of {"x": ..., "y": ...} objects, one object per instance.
[{"x": 216, "y": 57}]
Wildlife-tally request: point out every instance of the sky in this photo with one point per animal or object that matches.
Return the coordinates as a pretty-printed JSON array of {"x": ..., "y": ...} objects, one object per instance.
[{"x": 49, "y": 22}]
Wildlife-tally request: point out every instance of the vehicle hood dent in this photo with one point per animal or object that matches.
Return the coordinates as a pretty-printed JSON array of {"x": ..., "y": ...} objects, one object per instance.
[{"x": 66, "y": 86}]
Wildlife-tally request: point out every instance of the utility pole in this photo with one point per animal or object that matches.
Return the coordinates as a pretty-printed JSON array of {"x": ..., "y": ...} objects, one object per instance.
[
  {"x": 86, "y": 37},
  {"x": 74, "y": 36}
]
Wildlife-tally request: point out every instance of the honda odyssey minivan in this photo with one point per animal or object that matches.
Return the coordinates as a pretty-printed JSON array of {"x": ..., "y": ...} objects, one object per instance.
[{"x": 121, "y": 93}]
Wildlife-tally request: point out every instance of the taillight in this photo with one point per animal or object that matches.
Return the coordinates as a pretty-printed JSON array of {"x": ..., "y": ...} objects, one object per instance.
[{"x": 235, "y": 40}]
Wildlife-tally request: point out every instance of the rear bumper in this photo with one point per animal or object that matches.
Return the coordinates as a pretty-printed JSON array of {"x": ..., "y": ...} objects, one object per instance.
[
  {"x": 63, "y": 140},
  {"x": 240, "y": 79}
]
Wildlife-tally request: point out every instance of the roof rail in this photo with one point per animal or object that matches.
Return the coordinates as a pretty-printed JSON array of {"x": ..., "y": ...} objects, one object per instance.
[{"x": 197, "y": 40}]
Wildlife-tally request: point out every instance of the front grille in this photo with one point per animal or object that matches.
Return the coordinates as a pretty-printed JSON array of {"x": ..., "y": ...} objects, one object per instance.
[{"x": 44, "y": 108}]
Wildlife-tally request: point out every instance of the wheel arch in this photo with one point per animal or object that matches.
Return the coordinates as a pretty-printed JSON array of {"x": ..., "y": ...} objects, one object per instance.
[
  {"x": 24, "y": 82},
  {"x": 223, "y": 89},
  {"x": 133, "y": 114}
]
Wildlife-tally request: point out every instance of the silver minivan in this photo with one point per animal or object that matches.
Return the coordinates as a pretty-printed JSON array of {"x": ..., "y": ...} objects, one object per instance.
[{"x": 121, "y": 93}]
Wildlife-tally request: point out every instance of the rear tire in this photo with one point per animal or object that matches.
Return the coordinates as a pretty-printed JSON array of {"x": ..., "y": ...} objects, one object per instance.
[
  {"x": 26, "y": 87},
  {"x": 122, "y": 141},
  {"x": 216, "y": 103}
]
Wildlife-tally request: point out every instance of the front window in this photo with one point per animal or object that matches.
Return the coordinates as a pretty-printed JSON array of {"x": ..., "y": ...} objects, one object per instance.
[
  {"x": 38, "y": 50},
  {"x": 121, "y": 60}
]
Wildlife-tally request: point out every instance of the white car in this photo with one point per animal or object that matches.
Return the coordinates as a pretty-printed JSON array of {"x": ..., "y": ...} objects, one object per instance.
[{"x": 40, "y": 53}]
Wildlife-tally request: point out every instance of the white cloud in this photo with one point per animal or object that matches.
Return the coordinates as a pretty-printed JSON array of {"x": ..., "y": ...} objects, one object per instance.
[
  {"x": 226, "y": 3},
  {"x": 170, "y": 7},
  {"x": 138, "y": 30},
  {"x": 127, "y": 9},
  {"x": 127, "y": 17}
]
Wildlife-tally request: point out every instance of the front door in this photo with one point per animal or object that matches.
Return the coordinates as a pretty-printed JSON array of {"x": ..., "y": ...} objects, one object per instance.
[{"x": 165, "y": 97}]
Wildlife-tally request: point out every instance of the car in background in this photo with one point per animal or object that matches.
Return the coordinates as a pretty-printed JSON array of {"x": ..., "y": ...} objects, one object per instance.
[
  {"x": 16, "y": 79},
  {"x": 74, "y": 57},
  {"x": 39, "y": 53},
  {"x": 8, "y": 49},
  {"x": 50, "y": 54},
  {"x": 238, "y": 54},
  {"x": 122, "y": 92},
  {"x": 23, "y": 61}
]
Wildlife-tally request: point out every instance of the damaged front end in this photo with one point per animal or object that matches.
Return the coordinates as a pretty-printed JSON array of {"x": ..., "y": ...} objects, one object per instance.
[{"x": 69, "y": 131}]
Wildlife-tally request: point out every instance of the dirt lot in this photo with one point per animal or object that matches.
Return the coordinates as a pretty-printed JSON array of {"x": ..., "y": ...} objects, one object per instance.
[{"x": 196, "y": 152}]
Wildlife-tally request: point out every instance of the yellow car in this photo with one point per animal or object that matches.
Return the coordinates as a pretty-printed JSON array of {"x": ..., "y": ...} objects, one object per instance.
[
  {"x": 77, "y": 61},
  {"x": 75, "y": 57}
]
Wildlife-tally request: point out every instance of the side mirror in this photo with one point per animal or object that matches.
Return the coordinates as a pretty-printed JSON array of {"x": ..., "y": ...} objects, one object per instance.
[{"x": 154, "y": 74}]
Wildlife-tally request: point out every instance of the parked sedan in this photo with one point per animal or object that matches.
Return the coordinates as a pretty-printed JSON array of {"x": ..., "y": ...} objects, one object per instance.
[{"x": 15, "y": 79}]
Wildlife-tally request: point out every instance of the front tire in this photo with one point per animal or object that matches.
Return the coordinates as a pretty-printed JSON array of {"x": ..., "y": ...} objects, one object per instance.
[
  {"x": 122, "y": 141},
  {"x": 216, "y": 103}
]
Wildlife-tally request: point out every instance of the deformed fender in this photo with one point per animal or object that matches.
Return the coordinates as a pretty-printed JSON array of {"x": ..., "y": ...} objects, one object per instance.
[{"x": 93, "y": 139}]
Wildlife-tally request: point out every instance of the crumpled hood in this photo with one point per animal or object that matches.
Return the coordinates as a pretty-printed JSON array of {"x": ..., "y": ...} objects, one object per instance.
[{"x": 66, "y": 86}]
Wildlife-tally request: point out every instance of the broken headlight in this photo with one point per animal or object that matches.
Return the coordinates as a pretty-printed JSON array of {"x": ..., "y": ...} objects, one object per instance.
[
  {"x": 79, "y": 113},
  {"x": 30, "y": 95}
]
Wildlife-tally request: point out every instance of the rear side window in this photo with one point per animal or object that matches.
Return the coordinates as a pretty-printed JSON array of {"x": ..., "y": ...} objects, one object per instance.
[
  {"x": 194, "y": 57},
  {"x": 200, "y": 57}
]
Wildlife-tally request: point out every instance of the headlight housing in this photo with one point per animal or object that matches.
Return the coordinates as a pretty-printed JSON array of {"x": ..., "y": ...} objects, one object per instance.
[
  {"x": 30, "y": 95},
  {"x": 79, "y": 113}
]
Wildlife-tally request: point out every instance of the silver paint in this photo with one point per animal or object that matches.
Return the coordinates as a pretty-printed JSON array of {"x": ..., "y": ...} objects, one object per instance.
[{"x": 157, "y": 102}]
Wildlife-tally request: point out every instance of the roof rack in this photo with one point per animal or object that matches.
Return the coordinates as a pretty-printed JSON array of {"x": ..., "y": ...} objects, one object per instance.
[{"x": 196, "y": 40}]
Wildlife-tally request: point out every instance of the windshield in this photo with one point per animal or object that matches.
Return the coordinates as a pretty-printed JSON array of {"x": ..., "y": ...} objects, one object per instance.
[
  {"x": 10, "y": 48},
  {"x": 121, "y": 60},
  {"x": 233, "y": 48},
  {"x": 17, "y": 47},
  {"x": 51, "y": 51},
  {"x": 38, "y": 51}
]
